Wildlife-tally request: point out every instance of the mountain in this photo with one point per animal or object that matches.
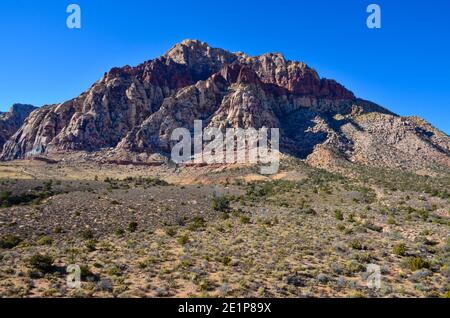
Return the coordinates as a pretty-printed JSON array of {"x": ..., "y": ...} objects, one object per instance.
[
  {"x": 132, "y": 111},
  {"x": 12, "y": 120}
]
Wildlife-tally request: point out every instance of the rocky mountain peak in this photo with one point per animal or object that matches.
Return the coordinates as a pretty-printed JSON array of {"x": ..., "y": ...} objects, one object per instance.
[{"x": 199, "y": 57}]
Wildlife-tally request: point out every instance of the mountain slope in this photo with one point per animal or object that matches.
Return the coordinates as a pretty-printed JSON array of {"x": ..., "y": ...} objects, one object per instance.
[
  {"x": 134, "y": 110},
  {"x": 12, "y": 120}
]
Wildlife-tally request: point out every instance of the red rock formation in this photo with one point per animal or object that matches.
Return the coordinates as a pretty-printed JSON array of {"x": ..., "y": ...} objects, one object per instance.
[{"x": 135, "y": 109}]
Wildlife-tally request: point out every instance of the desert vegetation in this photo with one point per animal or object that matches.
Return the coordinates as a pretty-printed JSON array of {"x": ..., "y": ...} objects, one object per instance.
[{"x": 312, "y": 234}]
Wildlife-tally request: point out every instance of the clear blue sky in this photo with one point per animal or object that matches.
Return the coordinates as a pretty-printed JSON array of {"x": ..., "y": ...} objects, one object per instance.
[{"x": 405, "y": 66}]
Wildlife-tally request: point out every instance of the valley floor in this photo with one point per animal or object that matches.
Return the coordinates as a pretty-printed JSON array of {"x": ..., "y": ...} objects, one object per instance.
[{"x": 167, "y": 232}]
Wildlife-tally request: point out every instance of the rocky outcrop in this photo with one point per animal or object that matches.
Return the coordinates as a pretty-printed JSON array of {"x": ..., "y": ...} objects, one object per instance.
[
  {"x": 133, "y": 110},
  {"x": 12, "y": 120}
]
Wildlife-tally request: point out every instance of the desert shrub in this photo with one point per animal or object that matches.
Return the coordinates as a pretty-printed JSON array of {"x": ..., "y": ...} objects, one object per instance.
[
  {"x": 183, "y": 240},
  {"x": 87, "y": 235},
  {"x": 181, "y": 221},
  {"x": 120, "y": 232},
  {"x": 41, "y": 262},
  {"x": 154, "y": 182},
  {"x": 416, "y": 263},
  {"x": 221, "y": 204},
  {"x": 170, "y": 231},
  {"x": 197, "y": 223},
  {"x": 114, "y": 271},
  {"x": 45, "y": 240},
  {"x": 423, "y": 214},
  {"x": 85, "y": 272},
  {"x": 48, "y": 185},
  {"x": 91, "y": 245},
  {"x": 445, "y": 269},
  {"x": 364, "y": 257},
  {"x": 399, "y": 249},
  {"x": 225, "y": 260},
  {"x": 244, "y": 219},
  {"x": 339, "y": 215},
  {"x": 186, "y": 262},
  {"x": 7, "y": 199},
  {"x": 357, "y": 245},
  {"x": 10, "y": 241},
  {"x": 351, "y": 218},
  {"x": 353, "y": 267},
  {"x": 391, "y": 220},
  {"x": 205, "y": 285},
  {"x": 132, "y": 227}
]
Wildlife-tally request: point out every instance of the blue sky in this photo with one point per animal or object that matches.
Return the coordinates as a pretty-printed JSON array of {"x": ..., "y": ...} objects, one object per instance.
[{"x": 404, "y": 66}]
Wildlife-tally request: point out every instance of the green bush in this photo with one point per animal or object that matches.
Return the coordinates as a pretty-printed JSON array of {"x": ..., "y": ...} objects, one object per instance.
[
  {"x": 132, "y": 227},
  {"x": 87, "y": 235},
  {"x": 357, "y": 245},
  {"x": 244, "y": 219},
  {"x": 10, "y": 241},
  {"x": 170, "y": 231},
  {"x": 183, "y": 240},
  {"x": 45, "y": 240},
  {"x": 85, "y": 272},
  {"x": 42, "y": 263},
  {"x": 399, "y": 249},
  {"x": 156, "y": 182},
  {"x": 339, "y": 215},
  {"x": 91, "y": 245},
  {"x": 225, "y": 260},
  {"x": 114, "y": 271},
  {"x": 35, "y": 196},
  {"x": 391, "y": 220},
  {"x": 198, "y": 223},
  {"x": 221, "y": 204}
]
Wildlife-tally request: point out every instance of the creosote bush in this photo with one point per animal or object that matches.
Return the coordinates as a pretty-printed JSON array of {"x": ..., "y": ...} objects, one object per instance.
[
  {"x": 132, "y": 227},
  {"x": 10, "y": 241},
  {"x": 416, "y": 263},
  {"x": 198, "y": 223},
  {"x": 339, "y": 215},
  {"x": 45, "y": 240},
  {"x": 399, "y": 249},
  {"x": 221, "y": 204}
]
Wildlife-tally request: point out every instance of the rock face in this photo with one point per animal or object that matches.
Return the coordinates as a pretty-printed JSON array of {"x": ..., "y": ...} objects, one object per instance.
[
  {"x": 135, "y": 109},
  {"x": 12, "y": 120}
]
